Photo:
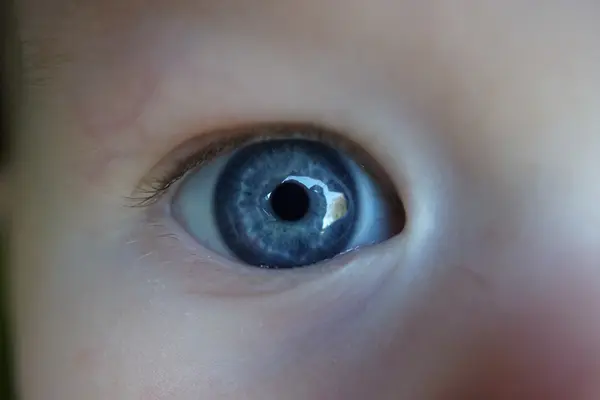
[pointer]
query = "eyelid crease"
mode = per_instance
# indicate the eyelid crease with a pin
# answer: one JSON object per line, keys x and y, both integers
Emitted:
{"x": 205, "y": 148}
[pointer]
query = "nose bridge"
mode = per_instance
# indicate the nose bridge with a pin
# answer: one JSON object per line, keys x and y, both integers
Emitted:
{"x": 522, "y": 219}
{"x": 520, "y": 273}
{"x": 532, "y": 183}
{"x": 537, "y": 214}
{"x": 552, "y": 196}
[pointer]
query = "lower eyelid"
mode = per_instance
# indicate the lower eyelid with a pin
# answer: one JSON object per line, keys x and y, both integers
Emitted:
{"x": 196, "y": 271}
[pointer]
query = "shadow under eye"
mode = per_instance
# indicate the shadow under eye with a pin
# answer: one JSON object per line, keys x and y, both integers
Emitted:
{"x": 287, "y": 202}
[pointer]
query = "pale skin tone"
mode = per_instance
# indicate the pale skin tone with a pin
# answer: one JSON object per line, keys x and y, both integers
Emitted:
{"x": 485, "y": 114}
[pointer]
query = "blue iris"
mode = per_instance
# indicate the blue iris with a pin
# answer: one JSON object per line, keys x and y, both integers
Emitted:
{"x": 286, "y": 203}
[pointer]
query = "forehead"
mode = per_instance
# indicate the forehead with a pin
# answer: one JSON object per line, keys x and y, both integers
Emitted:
{"x": 375, "y": 20}
{"x": 434, "y": 48}
{"x": 67, "y": 30}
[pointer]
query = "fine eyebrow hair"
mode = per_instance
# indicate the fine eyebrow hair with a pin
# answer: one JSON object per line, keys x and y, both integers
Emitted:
{"x": 9, "y": 78}
{"x": 33, "y": 40}
{"x": 36, "y": 62}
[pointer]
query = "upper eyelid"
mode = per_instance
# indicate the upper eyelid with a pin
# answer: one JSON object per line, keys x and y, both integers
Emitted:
{"x": 166, "y": 173}
{"x": 211, "y": 144}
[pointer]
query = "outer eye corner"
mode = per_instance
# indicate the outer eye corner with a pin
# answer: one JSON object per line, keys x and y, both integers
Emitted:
{"x": 286, "y": 202}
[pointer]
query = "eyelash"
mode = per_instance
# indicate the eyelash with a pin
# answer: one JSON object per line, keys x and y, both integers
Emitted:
{"x": 153, "y": 188}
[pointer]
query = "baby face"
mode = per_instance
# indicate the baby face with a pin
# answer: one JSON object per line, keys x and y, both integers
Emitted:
{"x": 462, "y": 137}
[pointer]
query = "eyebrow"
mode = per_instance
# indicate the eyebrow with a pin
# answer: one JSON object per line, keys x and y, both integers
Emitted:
{"x": 9, "y": 78}
{"x": 37, "y": 64}
{"x": 32, "y": 45}
{"x": 49, "y": 55}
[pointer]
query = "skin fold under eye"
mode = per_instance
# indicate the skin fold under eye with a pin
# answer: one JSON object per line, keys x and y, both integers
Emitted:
{"x": 284, "y": 198}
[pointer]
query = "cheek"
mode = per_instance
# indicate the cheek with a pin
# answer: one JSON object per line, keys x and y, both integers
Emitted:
{"x": 148, "y": 329}
{"x": 545, "y": 336}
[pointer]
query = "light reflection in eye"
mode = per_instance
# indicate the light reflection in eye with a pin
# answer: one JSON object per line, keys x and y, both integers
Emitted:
{"x": 337, "y": 203}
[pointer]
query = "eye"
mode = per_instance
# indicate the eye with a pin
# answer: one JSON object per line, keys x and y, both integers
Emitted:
{"x": 288, "y": 201}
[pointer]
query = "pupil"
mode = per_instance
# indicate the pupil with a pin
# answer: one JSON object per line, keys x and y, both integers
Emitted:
{"x": 290, "y": 201}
